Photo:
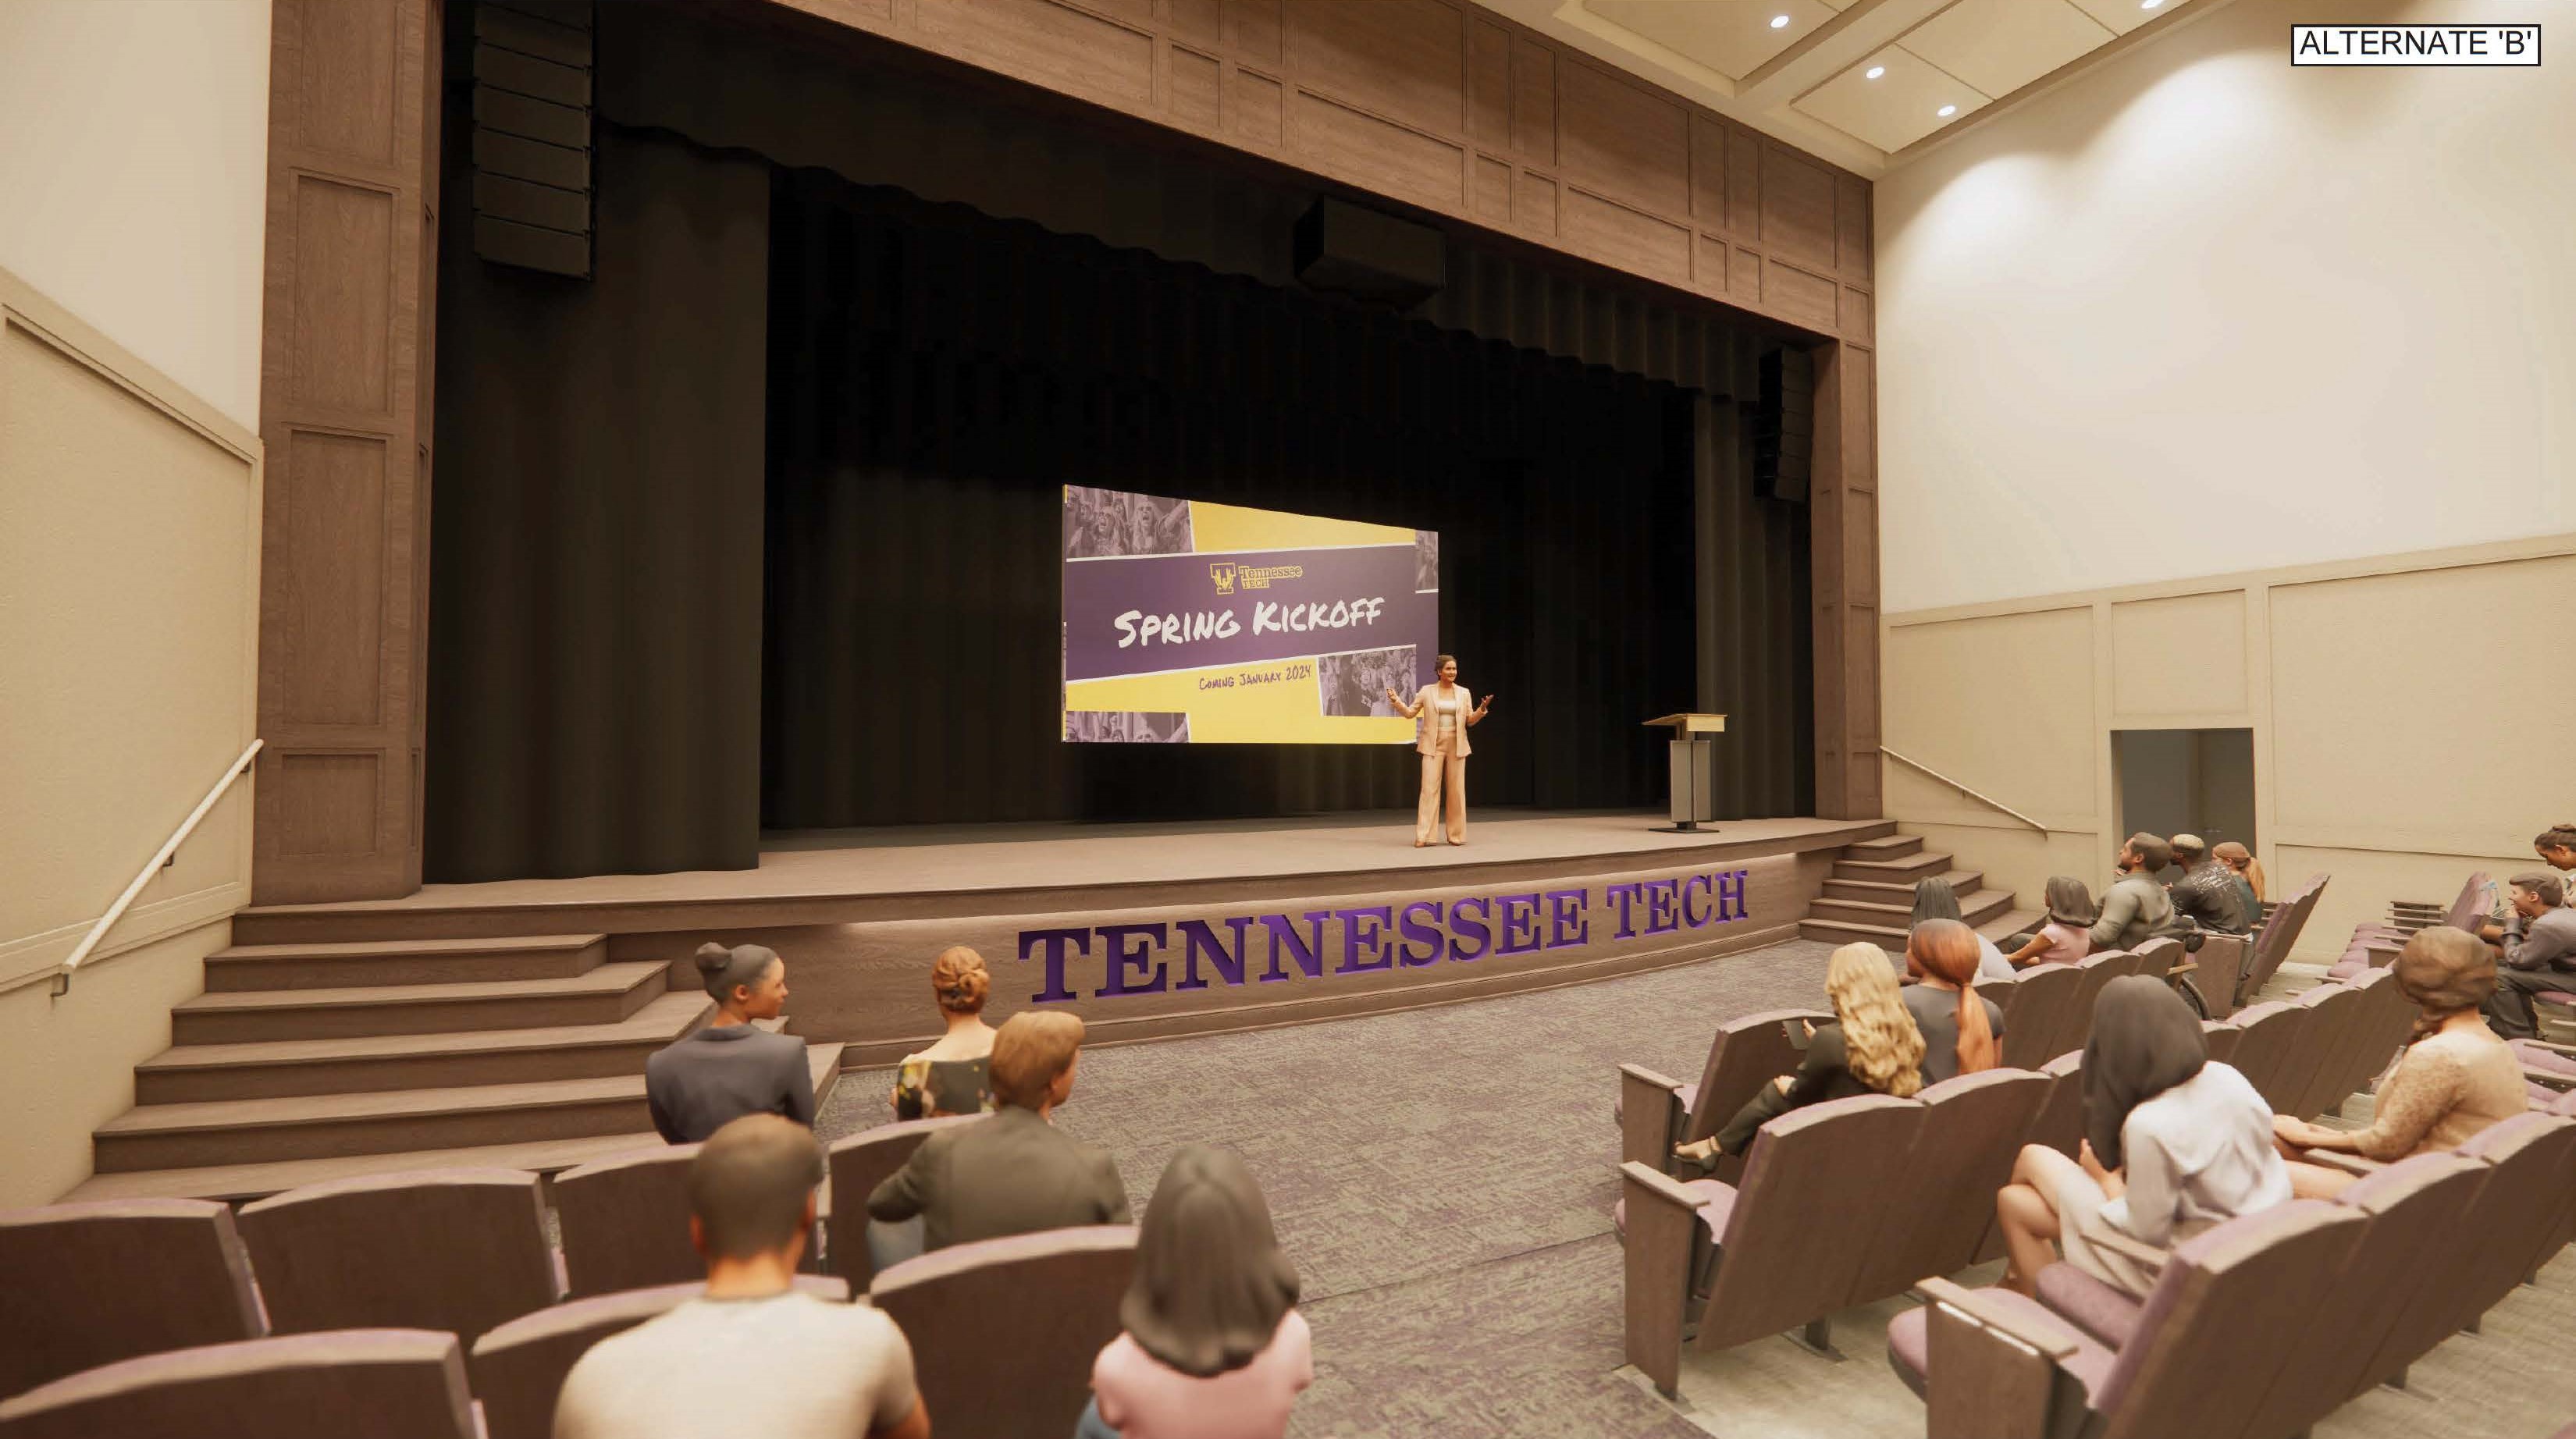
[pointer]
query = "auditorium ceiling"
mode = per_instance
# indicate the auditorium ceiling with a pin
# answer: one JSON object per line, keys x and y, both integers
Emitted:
{"x": 1865, "y": 83}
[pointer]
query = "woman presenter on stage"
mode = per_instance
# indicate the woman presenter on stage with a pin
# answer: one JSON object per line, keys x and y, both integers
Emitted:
{"x": 1440, "y": 715}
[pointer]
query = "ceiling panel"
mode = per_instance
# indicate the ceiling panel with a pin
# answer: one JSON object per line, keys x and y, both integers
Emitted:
{"x": 2001, "y": 45}
{"x": 2123, "y": 16}
{"x": 1898, "y": 108}
{"x": 1732, "y": 37}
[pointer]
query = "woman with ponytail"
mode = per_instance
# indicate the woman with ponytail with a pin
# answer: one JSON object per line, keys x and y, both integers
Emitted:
{"x": 1872, "y": 1047}
{"x": 731, "y": 1066}
{"x": 2454, "y": 1078}
{"x": 1962, "y": 1030}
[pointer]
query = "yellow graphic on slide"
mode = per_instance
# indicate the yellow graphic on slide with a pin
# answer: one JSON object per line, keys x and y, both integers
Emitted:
{"x": 1223, "y": 529}
{"x": 1273, "y": 702}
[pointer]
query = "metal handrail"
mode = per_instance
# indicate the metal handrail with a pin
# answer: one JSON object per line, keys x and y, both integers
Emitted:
{"x": 160, "y": 857}
{"x": 1963, "y": 789}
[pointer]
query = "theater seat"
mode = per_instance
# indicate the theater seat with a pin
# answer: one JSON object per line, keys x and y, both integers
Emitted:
{"x": 380, "y": 1383}
{"x": 2109, "y": 1315}
{"x": 460, "y": 1250}
{"x": 89, "y": 1284}
{"x": 1004, "y": 1331}
{"x": 858, "y": 1164}
{"x": 2087, "y": 1359}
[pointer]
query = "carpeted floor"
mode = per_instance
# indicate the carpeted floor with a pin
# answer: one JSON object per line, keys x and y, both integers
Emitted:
{"x": 1444, "y": 1178}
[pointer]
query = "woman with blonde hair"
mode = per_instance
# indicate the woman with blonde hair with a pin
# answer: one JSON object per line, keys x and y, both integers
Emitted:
{"x": 1872, "y": 1047}
{"x": 2454, "y": 1078}
{"x": 1962, "y": 1030}
{"x": 952, "y": 1076}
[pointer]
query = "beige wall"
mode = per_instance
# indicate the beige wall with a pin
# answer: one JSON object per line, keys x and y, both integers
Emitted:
{"x": 133, "y": 176}
{"x": 2199, "y": 312}
{"x": 2400, "y": 738}
{"x": 129, "y": 564}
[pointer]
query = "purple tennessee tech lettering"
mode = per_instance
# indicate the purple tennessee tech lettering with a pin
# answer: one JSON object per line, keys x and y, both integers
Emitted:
{"x": 1730, "y": 894}
{"x": 1416, "y": 932}
{"x": 1308, "y": 952}
{"x": 1518, "y": 909}
{"x": 1626, "y": 894}
{"x": 1699, "y": 919}
{"x": 1663, "y": 899}
{"x": 1371, "y": 940}
{"x": 1123, "y": 956}
{"x": 1568, "y": 917}
{"x": 1202, "y": 940}
{"x": 1460, "y": 925}
{"x": 1054, "y": 940}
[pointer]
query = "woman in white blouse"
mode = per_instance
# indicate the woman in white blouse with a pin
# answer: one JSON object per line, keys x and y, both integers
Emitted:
{"x": 1441, "y": 713}
{"x": 2174, "y": 1143}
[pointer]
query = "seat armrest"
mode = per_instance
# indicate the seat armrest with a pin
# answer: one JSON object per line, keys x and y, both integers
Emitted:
{"x": 1661, "y": 1218}
{"x": 1988, "y": 1373}
{"x": 1649, "y": 1117}
{"x": 2344, "y": 1160}
{"x": 2181, "y": 967}
{"x": 2553, "y": 1047}
{"x": 2554, "y": 1079}
{"x": 2137, "y": 1250}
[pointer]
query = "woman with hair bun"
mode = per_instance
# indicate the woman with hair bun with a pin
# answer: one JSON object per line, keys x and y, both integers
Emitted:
{"x": 954, "y": 1075}
{"x": 2454, "y": 1078}
{"x": 1214, "y": 1347}
{"x": 712, "y": 1076}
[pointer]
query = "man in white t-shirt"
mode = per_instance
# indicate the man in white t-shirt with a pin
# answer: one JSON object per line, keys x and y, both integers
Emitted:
{"x": 752, "y": 1356}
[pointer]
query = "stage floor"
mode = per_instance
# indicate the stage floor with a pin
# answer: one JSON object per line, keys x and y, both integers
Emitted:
{"x": 954, "y": 861}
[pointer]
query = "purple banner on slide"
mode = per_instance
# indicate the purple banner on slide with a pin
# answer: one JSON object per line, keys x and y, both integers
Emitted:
{"x": 1150, "y": 613}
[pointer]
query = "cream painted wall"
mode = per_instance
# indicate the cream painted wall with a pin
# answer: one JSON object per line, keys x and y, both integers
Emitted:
{"x": 129, "y": 596}
{"x": 134, "y": 177}
{"x": 2200, "y": 312}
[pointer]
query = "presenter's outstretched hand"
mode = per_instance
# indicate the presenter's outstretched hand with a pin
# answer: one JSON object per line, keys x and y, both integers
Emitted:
{"x": 1483, "y": 705}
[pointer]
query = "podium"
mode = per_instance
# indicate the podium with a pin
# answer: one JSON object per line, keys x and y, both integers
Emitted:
{"x": 1692, "y": 765}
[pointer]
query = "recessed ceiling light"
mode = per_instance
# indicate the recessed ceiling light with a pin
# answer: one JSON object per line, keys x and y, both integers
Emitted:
{"x": 1876, "y": 70}
{"x": 2149, "y": 4}
{"x": 1947, "y": 111}
{"x": 1779, "y": 22}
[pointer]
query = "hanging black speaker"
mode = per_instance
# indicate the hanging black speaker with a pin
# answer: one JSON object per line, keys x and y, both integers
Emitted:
{"x": 1784, "y": 426}
{"x": 532, "y": 122}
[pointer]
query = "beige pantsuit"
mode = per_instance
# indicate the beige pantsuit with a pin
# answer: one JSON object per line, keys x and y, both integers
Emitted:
{"x": 1444, "y": 763}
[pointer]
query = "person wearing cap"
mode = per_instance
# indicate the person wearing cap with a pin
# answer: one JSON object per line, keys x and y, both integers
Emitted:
{"x": 2539, "y": 953}
{"x": 2207, "y": 894}
{"x": 2453, "y": 1079}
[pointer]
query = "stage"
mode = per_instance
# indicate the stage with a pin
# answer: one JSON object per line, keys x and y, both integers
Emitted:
{"x": 1153, "y": 930}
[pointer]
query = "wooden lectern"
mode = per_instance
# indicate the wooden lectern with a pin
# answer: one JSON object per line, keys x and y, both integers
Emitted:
{"x": 1692, "y": 762}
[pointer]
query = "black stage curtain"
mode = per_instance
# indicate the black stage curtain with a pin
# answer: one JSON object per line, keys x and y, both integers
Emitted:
{"x": 595, "y": 610}
{"x": 937, "y": 374}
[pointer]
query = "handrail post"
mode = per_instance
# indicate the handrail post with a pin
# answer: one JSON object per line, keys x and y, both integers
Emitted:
{"x": 151, "y": 867}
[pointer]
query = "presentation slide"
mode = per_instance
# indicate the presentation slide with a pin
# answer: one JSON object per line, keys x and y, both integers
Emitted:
{"x": 1192, "y": 623}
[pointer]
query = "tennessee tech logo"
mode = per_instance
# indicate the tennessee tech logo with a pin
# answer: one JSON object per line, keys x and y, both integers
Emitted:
{"x": 1224, "y": 577}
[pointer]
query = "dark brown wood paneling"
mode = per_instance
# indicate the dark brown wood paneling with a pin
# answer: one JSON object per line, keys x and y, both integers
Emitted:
{"x": 1493, "y": 190}
{"x": 1534, "y": 203}
{"x": 348, "y": 307}
{"x": 1196, "y": 82}
{"x": 1708, "y": 172}
{"x": 1631, "y": 239}
{"x": 1387, "y": 157}
{"x": 1800, "y": 296}
{"x": 1404, "y": 59}
{"x": 1533, "y": 101}
{"x": 1058, "y": 46}
{"x": 1259, "y": 110}
{"x": 1199, "y": 22}
{"x": 1256, "y": 32}
{"x": 1489, "y": 85}
{"x": 1797, "y": 209}
{"x": 1844, "y": 584}
{"x": 1621, "y": 140}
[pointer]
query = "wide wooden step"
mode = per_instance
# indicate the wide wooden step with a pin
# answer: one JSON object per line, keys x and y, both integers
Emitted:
{"x": 605, "y": 995}
{"x": 1891, "y": 937}
{"x": 275, "y": 1069}
{"x": 1975, "y": 908}
{"x": 1886, "y": 847}
{"x": 1905, "y": 870}
{"x": 258, "y": 1131}
{"x": 1871, "y": 891}
{"x": 249, "y": 967}
{"x": 237, "y": 1183}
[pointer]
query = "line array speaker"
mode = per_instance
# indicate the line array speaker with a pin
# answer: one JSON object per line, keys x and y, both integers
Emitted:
{"x": 1784, "y": 426}
{"x": 532, "y": 134}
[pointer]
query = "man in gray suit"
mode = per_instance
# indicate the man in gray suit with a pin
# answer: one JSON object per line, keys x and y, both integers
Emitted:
{"x": 1014, "y": 1173}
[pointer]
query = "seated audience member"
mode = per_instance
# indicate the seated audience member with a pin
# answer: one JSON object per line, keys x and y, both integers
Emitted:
{"x": 954, "y": 1075}
{"x": 1871, "y": 1047}
{"x": 2135, "y": 908}
{"x": 1960, "y": 1027}
{"x": 1014, "y": 1173}
{"x": 2454, "y": 1078}
{"x": 2249, "y": 869}
{"x": 1935, "y": 899}
{"x": 2174, "y": 1142}
{"x": 2539, "y": 945}
{"x": 752, "y": 1355}
{"x": 2207, "y": 893}
{"x": 2556, "y": 847}
{"x": 2248, "y": 873}
{"x": 2065, "y": 939}
{"x": 1214, "y": 1347}
{"x": 705, "y": 1080}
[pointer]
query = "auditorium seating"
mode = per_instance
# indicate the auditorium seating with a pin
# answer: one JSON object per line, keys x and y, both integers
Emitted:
{"x": 89, "y": 1284}
{"x": 380, "y": 1383}
{"x": 2039, "y": 1006}
{"x": 859, "y": 1163}
{"x": 2430, "y": 1244}
{"x": 462, "y": 1251}
{"x": 624, "y": 1222}
{"x": 2375, "y": 944}
{"x": 518, "y": 1369}
{"x": 2274, "y": 941}
{"x": 2216, "y": 971}
{"x": 1747, "y": 1052}
{"x": 1905, "y": 1184}
{"x": 1004, "y": 1331}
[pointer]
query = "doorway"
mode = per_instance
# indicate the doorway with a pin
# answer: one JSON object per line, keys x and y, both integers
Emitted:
{"x": 2185, "y": 781}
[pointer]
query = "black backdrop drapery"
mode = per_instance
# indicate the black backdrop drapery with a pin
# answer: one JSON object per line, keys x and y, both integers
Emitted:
{"x": 937, "y": 374}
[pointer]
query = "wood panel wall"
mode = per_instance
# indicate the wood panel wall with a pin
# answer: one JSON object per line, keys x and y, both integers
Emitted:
{"x": 345, "y": 367}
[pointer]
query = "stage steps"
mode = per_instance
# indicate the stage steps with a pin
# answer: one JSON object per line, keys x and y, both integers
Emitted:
{"x": 328, "y": 1059}
{"x": 1870, "y": 895}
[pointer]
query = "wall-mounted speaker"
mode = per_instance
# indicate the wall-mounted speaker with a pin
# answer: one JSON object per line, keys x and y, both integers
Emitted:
{"x": 1370, "y": 256}
{"x": 1784, "y": 426}
{"x": 532, "y": 134}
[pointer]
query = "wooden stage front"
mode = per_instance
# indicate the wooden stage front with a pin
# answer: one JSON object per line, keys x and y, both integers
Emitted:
{"x": 1150, "y": 931}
